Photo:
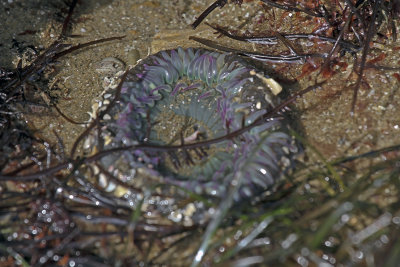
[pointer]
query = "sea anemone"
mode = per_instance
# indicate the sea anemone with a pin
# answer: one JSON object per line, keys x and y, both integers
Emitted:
{"x": 185, "y": 96}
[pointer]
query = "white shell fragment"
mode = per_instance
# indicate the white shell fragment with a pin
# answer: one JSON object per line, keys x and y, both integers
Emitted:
{"x": 275, "y": 87}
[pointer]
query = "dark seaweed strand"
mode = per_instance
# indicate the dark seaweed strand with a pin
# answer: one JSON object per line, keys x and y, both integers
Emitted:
{"x": 24, "y": 167}
{"x": 394, "y": 10}
{"x": 334, "y": 47}
{"x": 286, "y": 42}
{"x": 61, "y": 146}
{"x": 357, "y": 13}
{"x": 66, "y": 117}
{"x": 294, "y": 9}
{"x": 67, "y": 20}
{"x": 80, "y": 46}
{"x": 370, "y": 154}
{"x": 218, "y": 3}
{"x": 370, "y": 34}
{"x": 379, "y": 67}
{"x": 299, "y": 58}
{"x": 222, "y": 3}
{"x": 273, "y": 39}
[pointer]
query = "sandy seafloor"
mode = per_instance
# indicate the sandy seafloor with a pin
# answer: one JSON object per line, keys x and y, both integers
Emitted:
{"x": 150, "y": 26}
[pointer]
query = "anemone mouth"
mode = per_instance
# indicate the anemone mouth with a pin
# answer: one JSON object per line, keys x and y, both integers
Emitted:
{"x": 189, "y": 95}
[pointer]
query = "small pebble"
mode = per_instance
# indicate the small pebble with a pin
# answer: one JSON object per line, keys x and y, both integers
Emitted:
{"x": 133, "y": 57}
